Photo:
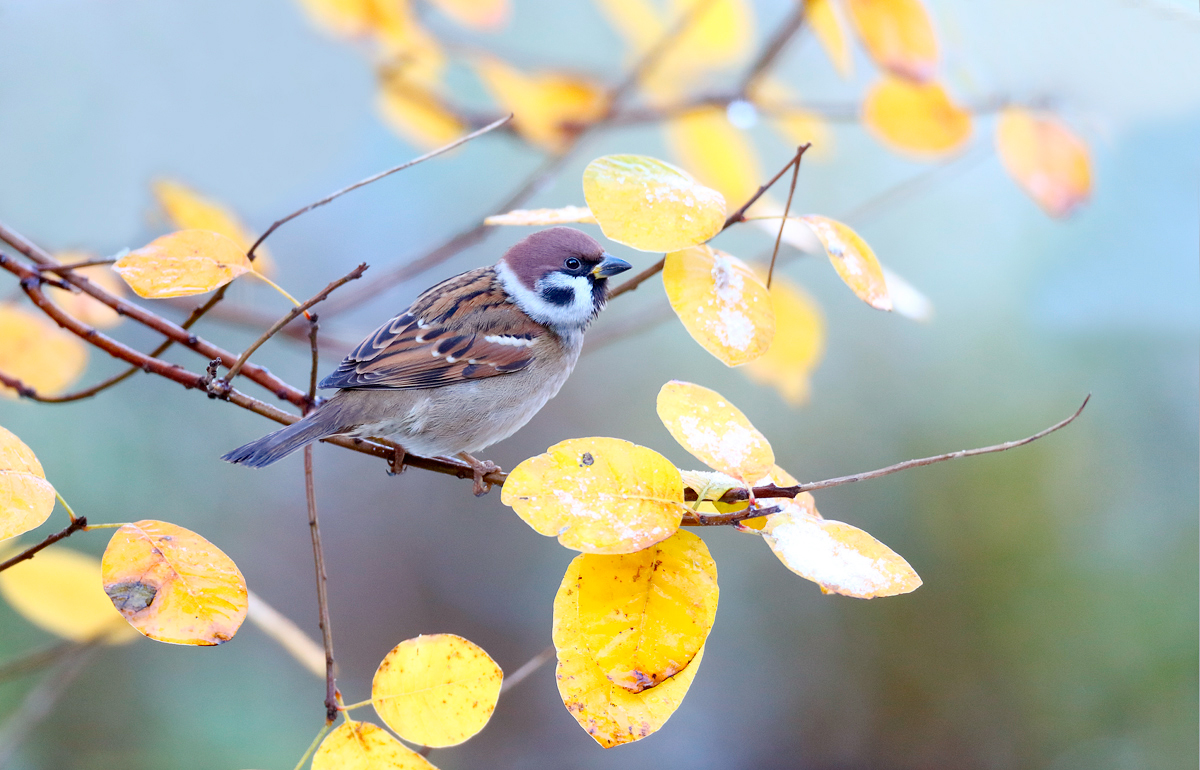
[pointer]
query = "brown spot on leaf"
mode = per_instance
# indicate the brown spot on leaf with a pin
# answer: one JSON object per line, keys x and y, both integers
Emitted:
{"x": 131, "y": 597}
{"x": 586, "y": 459}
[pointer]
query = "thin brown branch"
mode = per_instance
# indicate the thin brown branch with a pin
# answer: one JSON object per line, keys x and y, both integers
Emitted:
{"x": 313, "y": 328}
{"x": 37, "y": 659}
{"x": 294, "y": 313}
{"x": 331, "y": 693}
{"x": 76, "y": 265}
{"x": 77, "y": 524}
{"x": 40, "y": 701}
{"x": 787, "y": 208}
{"x": 533, "y": 664}
{"x": 653, "y": 55}
{"x": 376, "y": 177}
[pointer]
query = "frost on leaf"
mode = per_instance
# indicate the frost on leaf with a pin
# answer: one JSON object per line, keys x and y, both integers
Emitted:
{"x": 853, "y": 260}
{"x": 721, "y": 302}
{"x": 598, "y": 495}
{"x": 714, "y": 430}
{"x": 183, "y": 263}
{"x": 26, "y": 498}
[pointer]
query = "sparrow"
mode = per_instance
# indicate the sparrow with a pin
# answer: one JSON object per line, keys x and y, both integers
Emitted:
{"x": 468, "y": 363}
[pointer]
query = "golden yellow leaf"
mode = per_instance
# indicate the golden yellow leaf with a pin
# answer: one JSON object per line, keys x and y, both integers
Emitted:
{"x": 182, "y": 263}
{"x": 714, "y": 431}
{"x": 898, "y": 35}
{"x": 559, "y": 216}
{"x": 59, "y": 590}
{"x": 38, "y": 352}
{"x": 650, "y": 205}
{"x": 840, "y": 558}
{"x": 645, "y": 615}
{"x": 542, "y": 103}
{"x": 391, "y": 24}
{"x": 609, "y": 713}
{"x": 720, "y": 155}
{"x": 638, "y": 21}
{"x": 85, "y": 307}
{"x": 797, "y": 347}
{"x": 917, "y": 119}
{"x": 173, "y": 585}
{"x": 477, "y": 14}
{"x": 598, "y": 495}
{"x": 344, "y": 18}
{"x": 1047, "y": 160}
{"x": 825, "y": 18}
{"x": 853, "y": 260}
{"x": 720, "y": 36}
{"x": 721, "y": 303}
{"x": 795, "y": 124}
{"x": 415, "y": 115}
{"x": 364, "y": 746}
{"x": 189, "y": 210}
{"x": 436, "y": 690}
{"x": 26, "y": 498}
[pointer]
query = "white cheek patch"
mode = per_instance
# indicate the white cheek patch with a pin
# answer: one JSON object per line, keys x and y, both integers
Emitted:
{"x": 574, "y": 315}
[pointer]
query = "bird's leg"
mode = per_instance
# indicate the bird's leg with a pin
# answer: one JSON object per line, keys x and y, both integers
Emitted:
{"x": 396, "y": 461}
{"x": 479, "y": 469}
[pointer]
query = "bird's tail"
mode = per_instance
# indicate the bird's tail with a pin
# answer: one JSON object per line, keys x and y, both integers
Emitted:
{"x": 277, "y": 445}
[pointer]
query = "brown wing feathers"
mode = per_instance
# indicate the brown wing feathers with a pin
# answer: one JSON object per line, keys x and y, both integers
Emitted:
{"x": 419, "y": 349}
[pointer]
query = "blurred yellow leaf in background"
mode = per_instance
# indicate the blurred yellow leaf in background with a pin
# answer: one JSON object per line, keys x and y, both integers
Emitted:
{"x": 798, "y": 344}
{"x": 916, "y": 119}
{"x": 1047, "y": 160}
{"x": 59, "y": 590}
{"x": 189, "y": 210}
{"x": 650, "y": 205}
{"x": 598, "y": 495}
{"x": 853, "y": 260}
{"x": 721, "y": 302}
{"x": 364, "y": 746}
{"x": 26, "y": 498}
{"x": 714, "y": 431}
{"x": 795, "y": 124}
{"x": 542, "y": 103}
{"x": 825, "y": 18}
{"x": 487, "y": 15}
{"x": 898, "y": 36}
{"x": 645, "y": 615}
{"x": 720, "y": 35}
{"x": 183, "y": 263}
{"x": 173, "y": 585}
{"x": 415, "y": 115}
{"x": 717, "y": 153}
{"x": 38, "y": 352}
{"x": 609, "y": 713}
{"x": 559, "y": 216}
{"x": 436, "y": 690}
{"x": 85, "y": 307}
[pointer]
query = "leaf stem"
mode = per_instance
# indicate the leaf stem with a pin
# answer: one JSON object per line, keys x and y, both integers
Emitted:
{"x": 312, "y": 747}
{"x": 70, "y": 511}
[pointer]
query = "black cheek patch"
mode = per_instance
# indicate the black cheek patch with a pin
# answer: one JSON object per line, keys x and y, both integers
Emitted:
{"x": 558, "y": 295}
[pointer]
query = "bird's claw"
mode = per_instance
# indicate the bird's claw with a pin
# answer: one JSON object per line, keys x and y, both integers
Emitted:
{"x": 479, "y": 469}
{"x": 396, "y": 464}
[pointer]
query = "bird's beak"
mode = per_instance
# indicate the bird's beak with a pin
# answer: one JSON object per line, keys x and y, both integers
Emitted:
{"x": 610, "y": 265}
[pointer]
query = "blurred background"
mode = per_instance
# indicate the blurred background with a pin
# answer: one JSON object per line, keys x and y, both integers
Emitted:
{"x": 1057, "y": 624}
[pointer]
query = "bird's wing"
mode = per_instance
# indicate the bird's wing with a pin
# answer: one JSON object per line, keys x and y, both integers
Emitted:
{"x": 465, "y": 328}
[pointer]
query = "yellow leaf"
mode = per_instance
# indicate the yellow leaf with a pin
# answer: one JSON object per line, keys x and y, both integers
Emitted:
{"x": 560, "y": 216}
{"x": 714, "y": 431}
{"x": 182, "y": 263}
{"x": 415, "y": 115}
{"x": 1047, "y": 160}
{"x": 26, "y": 498}
{"x": 638, "y": 21}
{"x": 650, "y": 205}
{"x": 825, "y": 18}
{"x": 719, "y": 154}
{"x": 898, "y": 35}
{"x": 85, "y": 307}
{"x": 363, "y": 746}
{"x": 173, "y": 585}
{"x": 645, "y": 615}
{"x": 344, "y": 18}
{"x": 840, "y": 558}
{"x": 38, "y": 352}
{"x": 436, "y": 690}
{"x": 59, "y": 591}
{"x": 853, "y": 260}
{"x": 541, "y": 104}
{"x": 390, "y": 23}
{"x": 797, "y": 347}
{"x": 719, "y": 36}
{"x": 609, "y": 713}
{"x": 795, "y": 124}
{"x": 915, "y": 118}
{"x": 721, "y": 303}
{"x": 477, "y": 14}
{"x": 781, "y": 478}
{"x": 189, "y": 210}
{"x": 598, "y": 495}
{"x": 709, "y": 486}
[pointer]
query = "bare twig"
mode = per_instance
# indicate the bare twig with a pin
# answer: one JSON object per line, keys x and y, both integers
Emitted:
{"x": 38, "y": 704}
{"x": 787, "y": 208}
{"x": 533, "y": 664}
{"x": 331, "y": 693}
{"x": 77, "y": 524}
{"x": 655, "y": 53}
{"x": 37, "y": 659}
{"x": 76, "y": 265}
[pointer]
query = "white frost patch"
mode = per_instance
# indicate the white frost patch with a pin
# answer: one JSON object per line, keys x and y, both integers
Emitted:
{"x": 734, "y": 328}
{"x": 725, "y": 446}
{"x": 731, "y": 326}
{"x": 806, "y": 548}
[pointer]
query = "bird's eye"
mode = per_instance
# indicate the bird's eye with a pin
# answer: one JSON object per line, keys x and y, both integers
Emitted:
{"x": 572, "y": 263}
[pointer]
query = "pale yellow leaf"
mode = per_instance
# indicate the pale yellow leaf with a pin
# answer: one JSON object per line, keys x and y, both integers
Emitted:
{"x": 719, "y": 35}
{"x": 916, "y": 119}
{"x": 559, "y": 216}
{"x": 898, "y": 35}
{"x": 717, "y": 153}
{"x": 650, "y": 205}
{"x": 798, "y": 344}
{"x": 38, "y": 352}
{"x": 825, "y": 19}
{"x": 364, "y": 746}
{"x": 853, "y": 260}
{"x": 721, "y": 302}
{"x": 608, "y": 712}
{"x": 59, "y": 590}
{"x": 543, "y": 104}
{"x": 1046, "y": 159}
{"x": 189, "y": 210}
{"x": 85, "y": 307}
{"x": 598, "y": 495}
{"x": 789, "y": 119}
{"x": 173, "y": 585}
{"x": 26, "y": 498}
{"x": 436, "y": 690}
{"x": 714, "y": 430}
{"x": 645, "y": 615}
{"x": 487, "y": 15}
{"x": 183, "y": 263}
